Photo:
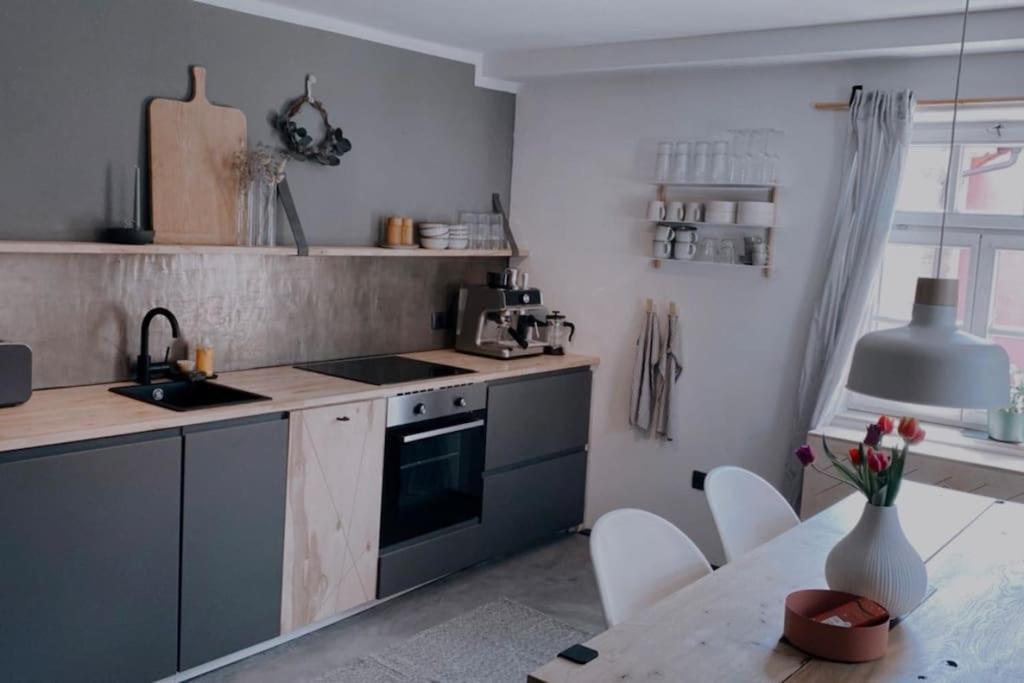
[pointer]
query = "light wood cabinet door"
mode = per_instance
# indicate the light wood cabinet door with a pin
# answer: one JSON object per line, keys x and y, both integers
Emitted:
{"x": 332, "y": 519}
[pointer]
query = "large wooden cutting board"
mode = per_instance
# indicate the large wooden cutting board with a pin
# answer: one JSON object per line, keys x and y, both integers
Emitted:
{"x": 193, "y": 179}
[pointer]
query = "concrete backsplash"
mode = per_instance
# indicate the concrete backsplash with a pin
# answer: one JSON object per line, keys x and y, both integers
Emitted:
{"x": 81, "y": 314}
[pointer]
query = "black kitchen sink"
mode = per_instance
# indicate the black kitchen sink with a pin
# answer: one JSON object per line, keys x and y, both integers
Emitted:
{"x": 184, "y": 395}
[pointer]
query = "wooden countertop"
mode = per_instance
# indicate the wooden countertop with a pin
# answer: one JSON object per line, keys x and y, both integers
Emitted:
{"x": 55, "y": 416}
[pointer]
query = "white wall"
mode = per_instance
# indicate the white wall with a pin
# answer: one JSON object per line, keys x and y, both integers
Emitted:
{"x": 584, "y": 151}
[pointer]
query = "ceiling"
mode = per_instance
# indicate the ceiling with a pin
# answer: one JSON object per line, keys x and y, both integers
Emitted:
{"x": 494, "y": 25}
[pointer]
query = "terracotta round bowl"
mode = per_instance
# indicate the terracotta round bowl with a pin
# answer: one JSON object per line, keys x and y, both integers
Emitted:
{"x": 837, "y": 643}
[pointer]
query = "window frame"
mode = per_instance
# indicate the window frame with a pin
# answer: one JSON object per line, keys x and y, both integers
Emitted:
{"x": 985, "y": 234}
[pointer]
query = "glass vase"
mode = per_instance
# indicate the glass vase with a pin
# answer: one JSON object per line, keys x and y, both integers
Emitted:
{"x": 257, "y": 212}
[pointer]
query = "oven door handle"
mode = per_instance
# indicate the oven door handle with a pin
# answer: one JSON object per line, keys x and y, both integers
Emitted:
{"x": 419, "y": 436}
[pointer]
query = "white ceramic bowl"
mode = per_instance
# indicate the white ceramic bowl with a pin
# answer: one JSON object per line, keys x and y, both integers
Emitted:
{"x": 433, "y": 229}
{"x": 755, "y": 213}
{"x": 434, "y": 242}
{"x": 457, "y": 243}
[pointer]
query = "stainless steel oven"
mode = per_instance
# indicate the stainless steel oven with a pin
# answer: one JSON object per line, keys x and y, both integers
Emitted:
{"x": 433, "y": 463}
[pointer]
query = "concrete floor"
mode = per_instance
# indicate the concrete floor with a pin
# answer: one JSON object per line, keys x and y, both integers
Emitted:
{"x": 556, "y": 579}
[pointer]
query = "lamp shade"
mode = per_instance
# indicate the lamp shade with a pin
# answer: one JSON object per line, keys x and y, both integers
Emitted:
{"x": 930, "y": 361}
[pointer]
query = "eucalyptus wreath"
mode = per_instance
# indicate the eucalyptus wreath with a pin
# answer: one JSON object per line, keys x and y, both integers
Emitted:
{"x": 300, "y": 143}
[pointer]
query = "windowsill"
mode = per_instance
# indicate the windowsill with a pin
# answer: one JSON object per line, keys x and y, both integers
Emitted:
{"x": 943, "y": 441}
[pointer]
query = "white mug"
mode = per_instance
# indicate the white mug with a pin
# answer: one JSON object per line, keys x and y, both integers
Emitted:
{"x": 693, "y": 212}
{"x": 674, "y": 211}
{"x": 656, "y": 211}
{"x": 684, "y": 250}
{"x": 662, "y": 249}
{"x": 686, "y": 236}
{"x": 664, "y": 233}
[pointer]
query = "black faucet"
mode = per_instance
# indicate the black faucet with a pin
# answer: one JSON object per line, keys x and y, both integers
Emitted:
{"x": 145, "y": 367}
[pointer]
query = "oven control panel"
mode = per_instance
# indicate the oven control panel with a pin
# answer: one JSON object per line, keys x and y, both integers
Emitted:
{"x": 432, "y": 404}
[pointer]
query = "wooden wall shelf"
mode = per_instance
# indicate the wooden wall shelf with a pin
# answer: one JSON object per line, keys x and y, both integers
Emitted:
{"x": 33, "y": 247}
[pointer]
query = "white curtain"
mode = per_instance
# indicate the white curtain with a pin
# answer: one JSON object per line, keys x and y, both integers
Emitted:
{"x": 879, "y": 136}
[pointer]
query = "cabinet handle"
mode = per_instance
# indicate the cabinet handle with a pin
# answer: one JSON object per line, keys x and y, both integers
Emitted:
{"x": 343, "y": 418}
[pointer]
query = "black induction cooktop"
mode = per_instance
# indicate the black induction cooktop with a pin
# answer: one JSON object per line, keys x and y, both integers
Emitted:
{"x": 383, "y": 369}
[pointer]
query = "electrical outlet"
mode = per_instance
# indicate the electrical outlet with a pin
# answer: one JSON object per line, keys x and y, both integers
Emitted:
{"x": 698, "y": 479}
{"x": 439, "y": 320}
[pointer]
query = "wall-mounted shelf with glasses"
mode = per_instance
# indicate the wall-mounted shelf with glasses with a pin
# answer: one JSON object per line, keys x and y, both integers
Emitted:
{"x": 722, "y": 224}
{"x": 724, "y": 185}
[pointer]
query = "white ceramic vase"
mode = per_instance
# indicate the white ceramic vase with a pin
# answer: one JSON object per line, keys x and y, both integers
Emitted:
{"x": 877, "y": 561}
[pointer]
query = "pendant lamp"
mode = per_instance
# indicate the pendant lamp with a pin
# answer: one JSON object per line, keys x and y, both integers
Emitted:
{"x": 930, "y": 361}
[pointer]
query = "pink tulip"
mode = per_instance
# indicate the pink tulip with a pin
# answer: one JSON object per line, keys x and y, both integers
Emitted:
{"x": 878, "y": 461}
{"x": 908, "y": 427}
{"x": 885, "y": 424}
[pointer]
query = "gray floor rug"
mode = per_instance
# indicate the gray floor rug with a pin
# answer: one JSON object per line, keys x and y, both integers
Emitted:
{"x": 498, "y": 642}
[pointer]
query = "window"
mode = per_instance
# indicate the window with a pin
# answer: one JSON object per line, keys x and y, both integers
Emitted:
{"x": 983, "y": 246}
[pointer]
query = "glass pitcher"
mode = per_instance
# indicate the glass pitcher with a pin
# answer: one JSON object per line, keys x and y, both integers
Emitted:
{"x": 558, "y": 332}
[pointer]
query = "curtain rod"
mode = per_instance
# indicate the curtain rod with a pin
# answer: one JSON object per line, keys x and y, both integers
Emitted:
{"x": 963, "y": 102}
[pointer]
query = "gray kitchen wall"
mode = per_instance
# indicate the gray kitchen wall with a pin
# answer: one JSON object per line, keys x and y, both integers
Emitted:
{"x": 75, "y": 77}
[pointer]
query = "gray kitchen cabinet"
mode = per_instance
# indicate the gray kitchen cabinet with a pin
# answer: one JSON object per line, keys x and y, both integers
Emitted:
{"x": 232, "y": 536}
{"x": 89, "y": 560}
{"x": 536, "y": 417}
{"x": 536, "y": 458}
{"x": 524, "y": 505}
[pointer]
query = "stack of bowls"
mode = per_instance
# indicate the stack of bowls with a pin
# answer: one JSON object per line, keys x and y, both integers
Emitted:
{"x": 458, "y": 237}
{"x": 719, "y": 212}
{"x": 434, "y": 235}
{"x": 756, "y": 213}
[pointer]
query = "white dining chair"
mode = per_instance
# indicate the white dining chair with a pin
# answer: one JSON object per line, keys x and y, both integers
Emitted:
{"x": 639, "y": 558}
{"x": 747, "y": 510}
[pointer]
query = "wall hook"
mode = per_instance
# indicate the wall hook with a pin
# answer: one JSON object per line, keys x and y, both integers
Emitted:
{"x": 310, "y": 81}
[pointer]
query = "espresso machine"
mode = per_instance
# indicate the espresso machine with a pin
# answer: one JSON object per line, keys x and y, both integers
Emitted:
{"x": 504, "y": 319}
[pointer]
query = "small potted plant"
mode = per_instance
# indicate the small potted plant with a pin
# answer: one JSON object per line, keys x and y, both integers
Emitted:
{"x": 1007, "y": 424}
{"x": 875, "y": 559}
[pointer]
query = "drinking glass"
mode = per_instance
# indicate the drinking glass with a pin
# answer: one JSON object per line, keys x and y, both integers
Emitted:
{"x": 708, "y": 249}
{"x": 700, "y": 162}
{"x": 740, "y": 141}
{"x": 468, "y": 218}
{"x": 681, "y": 163}
{"x": 720, "y": 162}
{"x": 749, "y": 172}
{"x": 727, "y": 252}
{"x": 759, "y": 154}
{"x": 664, "y": 164}
{"x": 497, "y": 232}
{"x": 774, "y": 140}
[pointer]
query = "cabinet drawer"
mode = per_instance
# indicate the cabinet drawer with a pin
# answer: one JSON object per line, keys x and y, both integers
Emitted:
{"x": 533, "y": 418}
{"x": 412, "y": 565}
{"x": 527, "y": 504}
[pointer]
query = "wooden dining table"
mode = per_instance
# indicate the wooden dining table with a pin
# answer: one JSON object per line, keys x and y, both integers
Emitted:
{"x": 728, "y": 625}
